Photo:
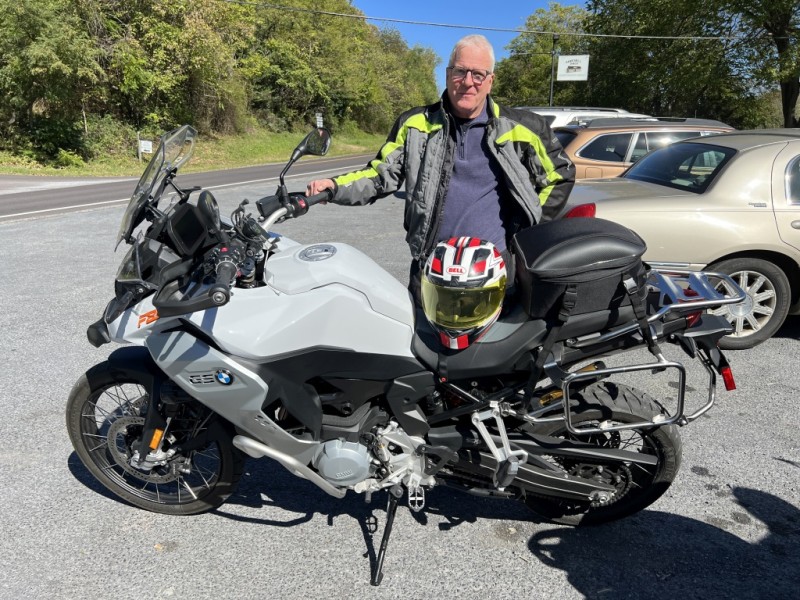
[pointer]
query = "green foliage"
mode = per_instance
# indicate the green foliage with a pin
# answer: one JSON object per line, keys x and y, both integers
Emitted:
{"x": 107, "y": 136}
{"x": 722, "y": 78}
{"x": 65, "y": 158}
{"x": 524, "y": 77}
{"x": 80, "y": 75}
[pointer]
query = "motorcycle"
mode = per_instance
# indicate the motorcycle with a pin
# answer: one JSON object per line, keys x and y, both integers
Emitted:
{"x": 242, "y": 342}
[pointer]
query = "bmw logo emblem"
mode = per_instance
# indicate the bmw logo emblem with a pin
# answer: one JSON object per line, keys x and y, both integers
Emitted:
{"x": 224, "y": 376}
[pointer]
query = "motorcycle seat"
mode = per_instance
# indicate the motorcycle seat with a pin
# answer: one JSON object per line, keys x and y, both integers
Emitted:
{"x": 507, "y": 345}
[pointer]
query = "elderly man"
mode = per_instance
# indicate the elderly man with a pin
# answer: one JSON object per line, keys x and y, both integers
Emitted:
{"x": 470, "y": 166}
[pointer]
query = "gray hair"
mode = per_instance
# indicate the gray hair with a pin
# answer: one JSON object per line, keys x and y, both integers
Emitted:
{"x": 477, "y": 41}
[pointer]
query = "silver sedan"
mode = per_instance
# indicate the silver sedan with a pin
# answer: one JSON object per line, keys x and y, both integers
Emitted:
{"x": 728, "y": 203}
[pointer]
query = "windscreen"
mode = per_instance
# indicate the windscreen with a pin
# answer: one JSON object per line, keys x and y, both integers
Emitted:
{"x": 683, "y": 165}
{"x": 173, "y": 150}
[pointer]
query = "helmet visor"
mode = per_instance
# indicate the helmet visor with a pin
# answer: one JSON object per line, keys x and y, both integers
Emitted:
{"x": 459, "y": 308}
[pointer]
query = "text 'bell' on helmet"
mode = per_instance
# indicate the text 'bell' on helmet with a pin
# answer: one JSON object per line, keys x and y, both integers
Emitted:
{"x": 463, "y": 286}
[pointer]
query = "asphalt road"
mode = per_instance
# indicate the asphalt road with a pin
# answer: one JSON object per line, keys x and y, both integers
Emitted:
{"x": 28, "y": 196}
{"x": 728, "y": 527}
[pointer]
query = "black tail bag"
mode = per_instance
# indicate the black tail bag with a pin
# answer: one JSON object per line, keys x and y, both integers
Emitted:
{"x": 579, "y": 266}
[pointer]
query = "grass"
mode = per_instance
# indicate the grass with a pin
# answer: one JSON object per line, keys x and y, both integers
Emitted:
{"x": 210, "y": 153}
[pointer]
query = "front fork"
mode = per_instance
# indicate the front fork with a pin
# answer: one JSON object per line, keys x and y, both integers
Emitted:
{"x": 156, "y": 425}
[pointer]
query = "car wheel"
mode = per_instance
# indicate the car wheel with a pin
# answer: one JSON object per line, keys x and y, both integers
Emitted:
{"x": 765, "y": 308}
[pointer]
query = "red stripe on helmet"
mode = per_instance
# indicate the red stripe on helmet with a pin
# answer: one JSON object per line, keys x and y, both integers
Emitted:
{"x": 478, "y": 268}
{"x": 436, "y": 266}
{"x": 460, "y": 249}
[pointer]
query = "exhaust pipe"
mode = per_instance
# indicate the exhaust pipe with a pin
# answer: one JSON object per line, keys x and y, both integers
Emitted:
{"x": 256, "y": 449}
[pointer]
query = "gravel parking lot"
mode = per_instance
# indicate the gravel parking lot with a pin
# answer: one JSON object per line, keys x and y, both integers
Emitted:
{"x": 728, "y": 527}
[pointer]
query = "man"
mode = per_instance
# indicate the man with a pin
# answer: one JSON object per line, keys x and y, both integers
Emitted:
{"x": 470, "y": 166}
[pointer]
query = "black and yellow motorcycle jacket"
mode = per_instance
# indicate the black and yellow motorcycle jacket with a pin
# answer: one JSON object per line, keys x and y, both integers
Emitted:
{"x": 419, "y": 153}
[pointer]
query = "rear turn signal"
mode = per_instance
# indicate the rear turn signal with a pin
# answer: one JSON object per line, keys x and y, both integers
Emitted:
{"x": 727, "y": 377}
{"x": 582, "y": 210}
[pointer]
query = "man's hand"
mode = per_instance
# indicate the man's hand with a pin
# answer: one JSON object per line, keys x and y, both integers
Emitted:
{"x": 319, "y": 185}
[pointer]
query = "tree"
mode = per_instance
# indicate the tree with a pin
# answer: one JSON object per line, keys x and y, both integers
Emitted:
{"x": 780, "y": 21}
{"x": 48, "y": 65}
{"x": 524, "y": 77}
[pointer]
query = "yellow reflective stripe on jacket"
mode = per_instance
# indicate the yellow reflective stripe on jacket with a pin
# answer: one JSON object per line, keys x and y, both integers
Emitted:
{"x": 415, "y": 122}
{"x": 522, "y": 134}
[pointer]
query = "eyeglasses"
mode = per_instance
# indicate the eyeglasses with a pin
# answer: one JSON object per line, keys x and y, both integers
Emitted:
{"x": 460, "y": 73}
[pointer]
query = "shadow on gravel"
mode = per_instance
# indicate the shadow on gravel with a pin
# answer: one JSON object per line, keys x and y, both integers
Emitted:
{"x": 82, "y": 474}
{"x": 790, "y": 328}
{"x": 266, "y": 483}
{"x": 655, "y": 554}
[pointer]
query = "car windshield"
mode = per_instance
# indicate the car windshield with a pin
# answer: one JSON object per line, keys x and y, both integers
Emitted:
{"x": 174, "y": 149}
{"x": 684, "y": 166}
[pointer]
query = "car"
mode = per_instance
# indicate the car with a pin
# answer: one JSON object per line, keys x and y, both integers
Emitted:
{"x": 606, "y": 147}
{"x": 728, "y": 203}
{"x": 564, "y": 115}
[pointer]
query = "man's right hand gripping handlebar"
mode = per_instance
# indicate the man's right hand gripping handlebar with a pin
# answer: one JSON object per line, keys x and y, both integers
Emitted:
{"x": 320, "y": 185}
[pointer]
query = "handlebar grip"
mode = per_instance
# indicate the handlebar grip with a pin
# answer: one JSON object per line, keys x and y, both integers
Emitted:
{"x": 220, "y": 292}
{"x": 323, "y": 196}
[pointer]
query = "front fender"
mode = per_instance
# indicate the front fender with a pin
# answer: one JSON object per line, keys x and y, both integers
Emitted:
{"x": 132, "y": 363}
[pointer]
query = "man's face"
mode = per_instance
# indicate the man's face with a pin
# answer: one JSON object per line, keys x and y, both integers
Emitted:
{"x": 466, "y": 96}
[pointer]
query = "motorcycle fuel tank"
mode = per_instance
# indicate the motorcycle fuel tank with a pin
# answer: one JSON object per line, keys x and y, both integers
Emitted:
{"x": 318, "y": 295}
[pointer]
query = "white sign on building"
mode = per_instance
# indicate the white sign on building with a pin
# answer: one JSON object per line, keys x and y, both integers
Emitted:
{"x": 573, "y": 67}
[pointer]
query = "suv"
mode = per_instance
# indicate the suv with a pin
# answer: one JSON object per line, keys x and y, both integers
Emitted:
{"x": 606, "y": 147}
{"x": 569, "y": 115}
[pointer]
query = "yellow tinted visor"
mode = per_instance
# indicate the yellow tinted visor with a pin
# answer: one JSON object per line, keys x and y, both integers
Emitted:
{"x": 459, "y": 308}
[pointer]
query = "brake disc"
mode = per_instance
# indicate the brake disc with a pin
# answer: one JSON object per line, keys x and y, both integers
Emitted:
{"x": 122, "y": 434}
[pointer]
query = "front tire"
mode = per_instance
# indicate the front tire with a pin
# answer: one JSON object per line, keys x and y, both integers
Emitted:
{"x": 761, "y": 314}
{"x": 105, "y": 418}
{"x": 637, "y": 485}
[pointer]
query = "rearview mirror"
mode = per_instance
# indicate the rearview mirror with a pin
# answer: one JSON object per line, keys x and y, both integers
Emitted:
{"x": 317, "y": 142}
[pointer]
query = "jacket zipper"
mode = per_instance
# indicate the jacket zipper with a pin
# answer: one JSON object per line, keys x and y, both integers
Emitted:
{"x": 439, "y": 201}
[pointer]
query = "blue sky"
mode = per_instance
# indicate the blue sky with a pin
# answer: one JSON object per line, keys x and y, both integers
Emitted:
{"x": 501, "y": 14}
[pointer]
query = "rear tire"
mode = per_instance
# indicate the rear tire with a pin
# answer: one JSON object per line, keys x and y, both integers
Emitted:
{"x": 638, "y": 485}
{"x": 105, "y": 420}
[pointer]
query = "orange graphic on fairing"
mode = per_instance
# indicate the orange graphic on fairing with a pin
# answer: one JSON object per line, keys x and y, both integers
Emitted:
{"x": 148, "y": 317}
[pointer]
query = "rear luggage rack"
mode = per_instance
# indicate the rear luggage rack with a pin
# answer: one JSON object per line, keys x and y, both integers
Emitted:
{"x": 680, "y": 291}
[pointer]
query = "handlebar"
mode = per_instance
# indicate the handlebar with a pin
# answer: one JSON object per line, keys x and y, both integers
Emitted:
{"x": 273, "y": 210}
{"x": 228, "y": 257}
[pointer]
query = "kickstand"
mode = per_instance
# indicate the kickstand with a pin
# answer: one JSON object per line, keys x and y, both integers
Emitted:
{"x": 395, "y": 493}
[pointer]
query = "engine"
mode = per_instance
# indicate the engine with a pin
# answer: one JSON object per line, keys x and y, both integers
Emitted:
{"x": 343, "y": 463}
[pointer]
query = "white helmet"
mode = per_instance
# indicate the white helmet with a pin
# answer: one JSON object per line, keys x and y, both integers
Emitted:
{"x": 463, "y": 286}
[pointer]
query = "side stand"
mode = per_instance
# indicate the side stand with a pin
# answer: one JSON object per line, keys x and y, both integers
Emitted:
{"x": 395, "y": 493}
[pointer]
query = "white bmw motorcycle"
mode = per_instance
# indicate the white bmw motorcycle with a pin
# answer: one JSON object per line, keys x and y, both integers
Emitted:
{"x": 245, "y": 343}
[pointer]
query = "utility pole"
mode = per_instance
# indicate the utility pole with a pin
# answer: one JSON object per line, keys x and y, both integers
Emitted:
{"x": 553, "y": 54}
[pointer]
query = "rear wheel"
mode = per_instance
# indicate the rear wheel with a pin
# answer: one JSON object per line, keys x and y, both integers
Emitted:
{"x": 765, "y": 307}
{"x": 105, "y": 420}
{"x": 637, "y": 486}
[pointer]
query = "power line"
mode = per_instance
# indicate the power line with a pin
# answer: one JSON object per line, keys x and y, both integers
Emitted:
{"x": 481, "y": 27}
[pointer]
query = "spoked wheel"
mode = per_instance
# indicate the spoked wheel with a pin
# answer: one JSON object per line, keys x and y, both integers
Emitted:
{"x": 765, "y": 307}
{"x": 637, "y": 486}
{"x": 105, "y": 420}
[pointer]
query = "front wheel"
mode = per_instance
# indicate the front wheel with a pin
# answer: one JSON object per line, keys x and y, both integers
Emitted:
{"x": 105, "y": 419}
{"x": 637, "y": 485}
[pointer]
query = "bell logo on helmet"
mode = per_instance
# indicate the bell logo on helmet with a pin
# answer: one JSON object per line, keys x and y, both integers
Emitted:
{"x": 456, "y": 270}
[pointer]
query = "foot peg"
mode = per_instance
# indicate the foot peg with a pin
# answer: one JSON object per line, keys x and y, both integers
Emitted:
{"x": 416, "y": 498}
{"x": 506, "y": 472}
